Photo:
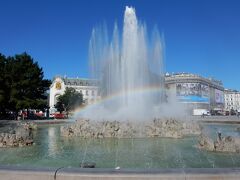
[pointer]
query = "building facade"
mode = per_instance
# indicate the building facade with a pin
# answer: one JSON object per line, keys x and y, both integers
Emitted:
{"x": 232, "y": 100}
{"x": 195, "y": 91}
{"x": 87, "y": 87}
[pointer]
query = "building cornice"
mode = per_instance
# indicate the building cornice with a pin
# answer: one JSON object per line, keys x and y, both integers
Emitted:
{"x": 192, "y": 79}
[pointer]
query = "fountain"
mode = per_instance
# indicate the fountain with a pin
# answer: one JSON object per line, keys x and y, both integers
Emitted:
{"x": 129, "y": 69}
{"x": 131, "y": 81}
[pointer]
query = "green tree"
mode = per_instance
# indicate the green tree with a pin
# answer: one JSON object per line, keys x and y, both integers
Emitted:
{"x": 23, "y": 83}
{"x": 3, "y": 90}
{"x": 70, "y": 100}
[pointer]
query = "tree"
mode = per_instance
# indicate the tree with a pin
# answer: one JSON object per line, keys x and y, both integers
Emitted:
{"x": 3, "y": 98}
{"x": 70, "y": 100}
{"x": 23, "y": 84}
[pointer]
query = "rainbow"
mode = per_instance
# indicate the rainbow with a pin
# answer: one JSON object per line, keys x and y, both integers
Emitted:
{"x": 115, "y": 96}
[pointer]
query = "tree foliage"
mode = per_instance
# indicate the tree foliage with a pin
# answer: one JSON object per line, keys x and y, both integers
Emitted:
{"x": 70, "y": 100}
{"x": 22, "y": 84}
{"x": 3, "y": 89}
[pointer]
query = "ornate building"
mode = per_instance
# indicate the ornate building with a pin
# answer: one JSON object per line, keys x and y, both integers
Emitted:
{"x": 196, "y": 91}
{"x": 87, "y": 87}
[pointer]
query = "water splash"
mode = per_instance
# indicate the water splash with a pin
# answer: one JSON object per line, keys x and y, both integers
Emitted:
{"x": 128, "y": 63}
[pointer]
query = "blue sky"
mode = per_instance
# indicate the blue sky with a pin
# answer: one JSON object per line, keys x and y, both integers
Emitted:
{"x": 201, "y": 36}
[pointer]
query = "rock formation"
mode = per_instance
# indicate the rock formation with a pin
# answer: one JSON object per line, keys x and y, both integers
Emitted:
{"x": 158, "y": 128}
{"x": 84, "y": 128}
{"x": 19, "y": 136}
{"x": 221, "y": 144}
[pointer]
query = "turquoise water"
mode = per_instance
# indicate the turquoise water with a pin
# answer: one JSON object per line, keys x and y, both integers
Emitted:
{"x": 52, "y": 150}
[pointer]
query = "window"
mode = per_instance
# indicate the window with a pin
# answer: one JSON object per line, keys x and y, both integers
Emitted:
{"x": 86, "y": 92}
{"x": 93, "y": 93}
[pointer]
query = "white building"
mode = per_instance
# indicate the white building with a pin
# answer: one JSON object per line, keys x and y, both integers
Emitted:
{"x": 88, "y": 88}
{"x": 232, "y": 100}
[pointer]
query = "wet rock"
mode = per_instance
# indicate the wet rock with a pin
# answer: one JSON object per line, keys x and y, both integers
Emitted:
{"x": 116, "y": 129}
{"x": 21, "y": 136}
{"x": 1, "y": 138}
{"x": 84, "y": 128}
{"x": 225, "y": 144}
{"x": 22, "y": 133}
{"x": 29, "y": 142}
{"x": 206, "y": 143}
{"x": 171, "y": 128}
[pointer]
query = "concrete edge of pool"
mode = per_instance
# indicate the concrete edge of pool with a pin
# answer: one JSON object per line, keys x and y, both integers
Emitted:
{"x": 27, "y": 173}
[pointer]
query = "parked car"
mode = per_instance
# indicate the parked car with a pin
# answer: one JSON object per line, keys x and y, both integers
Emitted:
{"x": 59, "y": 116}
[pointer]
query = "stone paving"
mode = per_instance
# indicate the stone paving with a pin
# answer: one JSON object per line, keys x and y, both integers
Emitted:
{"x": 19, "y": 173}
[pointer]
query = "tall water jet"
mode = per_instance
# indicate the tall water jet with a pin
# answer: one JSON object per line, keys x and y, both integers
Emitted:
{"x": 130, "y": 69}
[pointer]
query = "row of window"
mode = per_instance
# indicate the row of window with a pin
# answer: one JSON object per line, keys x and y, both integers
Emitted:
{"x": 80, "y": 84}
{"x": 231, "y": 107}
{"x": 231, "y": 103}
{"x": 88, "y": 92}
{"x": 232, "y": 99}
{"x": 236, "y": 96}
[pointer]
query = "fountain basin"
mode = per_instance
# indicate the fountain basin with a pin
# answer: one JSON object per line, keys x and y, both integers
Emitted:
{"x": 53, "y": 150}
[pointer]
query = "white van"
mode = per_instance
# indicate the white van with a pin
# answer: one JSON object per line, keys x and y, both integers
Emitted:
{"x": 200, "y": 112}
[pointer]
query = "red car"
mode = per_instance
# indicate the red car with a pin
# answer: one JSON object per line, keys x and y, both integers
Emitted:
{"x": 59, "y": 116}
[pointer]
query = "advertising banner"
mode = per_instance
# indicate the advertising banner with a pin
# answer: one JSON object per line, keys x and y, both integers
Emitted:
{"x": 192, "y": 92}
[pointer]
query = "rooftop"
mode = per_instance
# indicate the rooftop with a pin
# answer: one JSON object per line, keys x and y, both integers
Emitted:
{"x": 79, "y": 81}
{"x": 231, "y": 91}
{"x": 190, "y": 75}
